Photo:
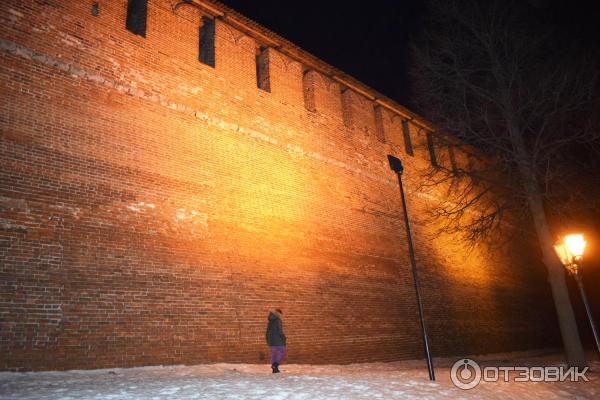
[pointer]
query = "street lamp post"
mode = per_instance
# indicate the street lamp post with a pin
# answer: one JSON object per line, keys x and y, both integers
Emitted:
{"x": 570, "y": 251}
{"x": 396, "y": 166}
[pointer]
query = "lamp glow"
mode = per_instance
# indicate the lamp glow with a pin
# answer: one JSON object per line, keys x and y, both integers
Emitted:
{"x": 570, "y": 249}
{"x": 575, "y": 244}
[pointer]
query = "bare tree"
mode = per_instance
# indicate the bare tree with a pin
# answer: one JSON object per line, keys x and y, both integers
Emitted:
{"x": 489, "y": 74}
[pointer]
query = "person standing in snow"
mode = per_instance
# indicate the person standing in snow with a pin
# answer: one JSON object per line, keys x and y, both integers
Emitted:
{"x": 276, "y": 339}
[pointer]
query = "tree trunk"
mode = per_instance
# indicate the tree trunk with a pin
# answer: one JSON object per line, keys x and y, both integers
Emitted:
{"x": 560, "y": 293}
{"x": 556, "y": 274}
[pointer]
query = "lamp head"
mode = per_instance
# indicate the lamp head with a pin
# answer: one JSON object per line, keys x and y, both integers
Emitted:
{"x": 570, "y": 251}
{"x": 395, "y": 164}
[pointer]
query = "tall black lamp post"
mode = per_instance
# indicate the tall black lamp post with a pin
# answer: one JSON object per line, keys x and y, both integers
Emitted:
{"x": 396, "y": 166}
{"x": 570, "y": 251}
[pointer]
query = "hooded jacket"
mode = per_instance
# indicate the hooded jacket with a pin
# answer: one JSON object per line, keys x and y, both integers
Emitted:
{"x": 274, "y": 335}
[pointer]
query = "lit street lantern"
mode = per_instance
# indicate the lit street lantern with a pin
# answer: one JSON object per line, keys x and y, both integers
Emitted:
{"x": 570, "y": 251}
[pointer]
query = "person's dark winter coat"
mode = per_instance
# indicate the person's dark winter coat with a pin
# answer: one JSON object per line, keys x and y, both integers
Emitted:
{"x": 275, "y": 339}
{"x": 274, "y": 335}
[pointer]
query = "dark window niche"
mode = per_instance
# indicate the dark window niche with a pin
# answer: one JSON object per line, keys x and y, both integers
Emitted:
{"x": 137, "y": 11}
{"x": 263, "y": 82}
{"x": 308, "y": 88}
{"x": 379, "y": 127}
{"x": 206, "y": 53}
{"x": 431, "y": 148}
{"x": 408, "y": 147}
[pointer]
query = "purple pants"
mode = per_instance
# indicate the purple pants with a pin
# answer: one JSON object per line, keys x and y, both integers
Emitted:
{"x": 277, "y": 354}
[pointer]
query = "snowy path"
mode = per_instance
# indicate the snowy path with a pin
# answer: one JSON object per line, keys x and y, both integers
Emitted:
{"x": 406, "y": 380}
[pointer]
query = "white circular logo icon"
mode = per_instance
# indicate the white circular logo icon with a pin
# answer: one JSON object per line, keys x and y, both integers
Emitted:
{"x": 465, "y": 374}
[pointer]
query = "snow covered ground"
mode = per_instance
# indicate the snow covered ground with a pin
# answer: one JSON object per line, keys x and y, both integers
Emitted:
{"x": 406, "y": 380}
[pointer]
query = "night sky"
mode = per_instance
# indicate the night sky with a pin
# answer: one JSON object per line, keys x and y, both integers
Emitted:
{"x": 369, "y": 40}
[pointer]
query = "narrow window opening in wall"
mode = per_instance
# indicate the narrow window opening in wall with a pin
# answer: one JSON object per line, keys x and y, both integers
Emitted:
{"x": 206, "y": 42}
{"x": 431, "y": 148}
{"x": 379, "y": 128}
{"x": 263, "y": 81}
{"x": 137, "y": 11}
{"x": 346, "y": 107}
{"x": 95, "y": 9}
{"x": 308, "y": 88}
{"x": 407, "y": 142}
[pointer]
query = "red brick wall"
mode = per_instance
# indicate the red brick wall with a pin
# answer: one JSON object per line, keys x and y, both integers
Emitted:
{"x": 152, "y": 209}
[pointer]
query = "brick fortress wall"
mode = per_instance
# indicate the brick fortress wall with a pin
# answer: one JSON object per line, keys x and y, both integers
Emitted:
{"x": 153, "y": 208}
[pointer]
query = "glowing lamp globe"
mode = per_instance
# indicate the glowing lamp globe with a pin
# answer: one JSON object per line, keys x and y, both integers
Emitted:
{"x": 570, "y": 249}
{"x": 575, "y": 244}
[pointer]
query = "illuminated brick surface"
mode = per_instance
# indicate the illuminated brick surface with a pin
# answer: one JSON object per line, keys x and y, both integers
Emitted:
{"x": 152, "y": 208}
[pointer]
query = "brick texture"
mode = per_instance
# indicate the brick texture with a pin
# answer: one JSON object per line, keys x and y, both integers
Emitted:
{"x": 153, "y": 208}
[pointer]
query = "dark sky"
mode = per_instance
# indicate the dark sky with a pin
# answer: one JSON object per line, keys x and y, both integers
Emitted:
{"x": 369, "y": 39}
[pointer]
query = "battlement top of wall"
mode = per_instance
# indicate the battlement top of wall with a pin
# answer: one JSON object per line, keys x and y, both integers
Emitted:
{"x": 271, "y": 39}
